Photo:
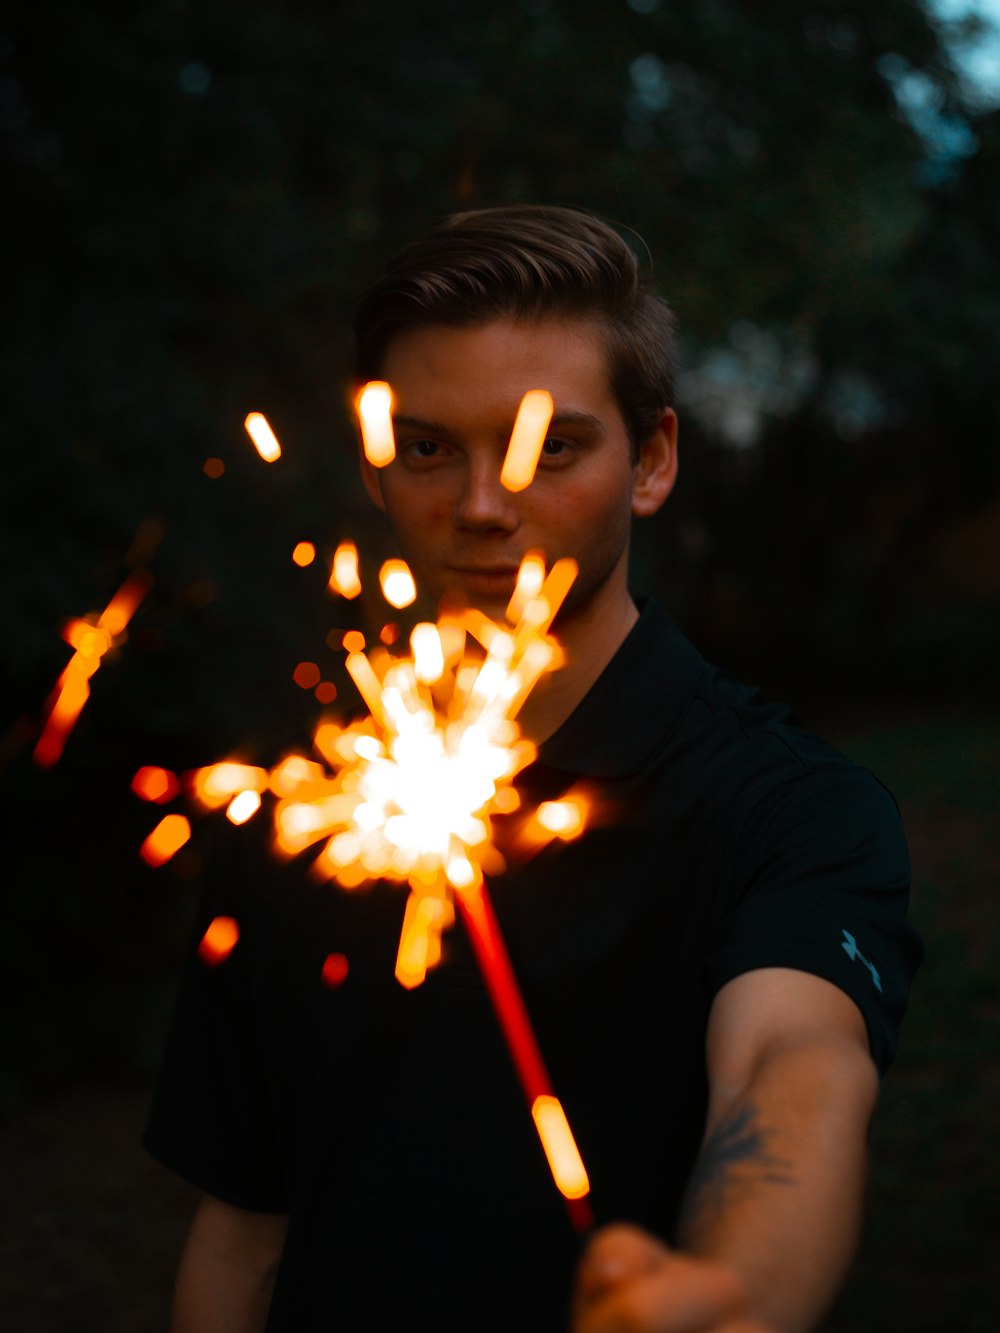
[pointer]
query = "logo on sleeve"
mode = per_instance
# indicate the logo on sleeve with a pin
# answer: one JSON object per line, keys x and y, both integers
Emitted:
{"x": 850, "y": 946}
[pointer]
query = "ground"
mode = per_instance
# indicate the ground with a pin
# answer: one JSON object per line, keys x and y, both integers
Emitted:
{"x": 90, "y": 1237}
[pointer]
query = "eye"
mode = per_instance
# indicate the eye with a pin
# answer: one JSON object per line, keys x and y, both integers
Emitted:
{"x": 554, "y": 447}
{"x": 418, "y": 452}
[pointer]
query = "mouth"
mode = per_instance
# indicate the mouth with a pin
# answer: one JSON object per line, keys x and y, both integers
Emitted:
{"x": 493, "y": 581}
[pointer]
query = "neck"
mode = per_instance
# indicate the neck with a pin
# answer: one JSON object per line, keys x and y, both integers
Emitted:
{"x": 590, "y": 637}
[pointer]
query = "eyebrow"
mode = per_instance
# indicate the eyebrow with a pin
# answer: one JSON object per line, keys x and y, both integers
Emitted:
{"x": 566, "y": 418}
{"x": 570, "y": 418}
{"x": 420, "y": 423}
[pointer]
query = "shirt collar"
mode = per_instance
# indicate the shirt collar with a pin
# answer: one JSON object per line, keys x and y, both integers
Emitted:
{"x": 634, "y": 705}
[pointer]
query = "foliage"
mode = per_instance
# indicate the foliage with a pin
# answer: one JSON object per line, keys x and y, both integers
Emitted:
{"x": 195, "y": 195}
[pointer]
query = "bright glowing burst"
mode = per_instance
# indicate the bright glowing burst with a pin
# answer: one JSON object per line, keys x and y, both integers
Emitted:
{"x": 304, "y": 554}
{"x": 407, "y": 794}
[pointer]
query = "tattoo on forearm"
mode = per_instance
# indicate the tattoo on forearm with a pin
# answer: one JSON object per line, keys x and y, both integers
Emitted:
{"x": 735, "y": 1155}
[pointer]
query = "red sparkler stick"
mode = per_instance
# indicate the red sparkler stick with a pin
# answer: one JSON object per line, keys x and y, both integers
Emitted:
{"x": 512, "y": 1015}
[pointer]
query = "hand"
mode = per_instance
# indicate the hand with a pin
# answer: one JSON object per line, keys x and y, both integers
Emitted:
{"x": 629, "y": 1282}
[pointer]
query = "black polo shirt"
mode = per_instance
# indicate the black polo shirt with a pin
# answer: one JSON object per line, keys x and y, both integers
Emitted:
{"x": 389, "y": 1123}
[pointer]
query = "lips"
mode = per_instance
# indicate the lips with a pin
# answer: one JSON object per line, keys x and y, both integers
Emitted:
{"x": 486, "y": 580}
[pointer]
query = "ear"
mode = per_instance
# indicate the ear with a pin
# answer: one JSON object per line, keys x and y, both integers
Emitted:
{"x": 370, "y": 479}
{"x": 656, "y": 471}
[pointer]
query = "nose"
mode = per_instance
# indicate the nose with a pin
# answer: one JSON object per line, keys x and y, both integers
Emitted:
{"x": 485, "y": 505}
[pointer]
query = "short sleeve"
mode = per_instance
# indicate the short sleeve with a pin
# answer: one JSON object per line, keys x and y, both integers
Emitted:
{"x": 212, "y": 1116}
{"x": 823, "y": 887}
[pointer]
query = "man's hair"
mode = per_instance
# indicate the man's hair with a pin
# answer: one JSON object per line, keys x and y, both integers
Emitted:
{"x": 529, "y": 262}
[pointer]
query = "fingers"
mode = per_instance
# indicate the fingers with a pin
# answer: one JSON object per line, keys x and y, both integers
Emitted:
{"x": 628, "y": 1282}
{"x": 615, "y": 1255}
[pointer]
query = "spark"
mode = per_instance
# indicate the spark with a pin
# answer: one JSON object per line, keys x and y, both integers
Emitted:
{"x": 374, "y": 406}
{"x": 304, "y": 554}
{"x": 219, "y": 941}
{"x": 344, "y": 577}
{"x": 155, "y": 784}
{"x": 91, "y": 639}
{"x": 563, "y": 1155}
{"x": 335, "y": 970}
{"x": 243, "y": 806}
{"x": 265, "y": 441}
{"x": 169, "y": 836}
{"x": 217, "y": 784}
{"x": 527, "y": 439}
{"x": 563, "y": 818}
{"x": 398, "y": 587}
{"x": 307, "y": 675}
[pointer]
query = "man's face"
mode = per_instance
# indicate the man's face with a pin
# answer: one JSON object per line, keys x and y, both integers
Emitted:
{"x": 457, "y": 391}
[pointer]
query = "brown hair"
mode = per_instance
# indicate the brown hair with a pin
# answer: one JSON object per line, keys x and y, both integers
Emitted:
{"x": 529, "y": 262}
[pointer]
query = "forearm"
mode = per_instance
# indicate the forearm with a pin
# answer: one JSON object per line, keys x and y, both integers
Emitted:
{"x": 227, "y": 1270}
{"x": 777, "y": 1191}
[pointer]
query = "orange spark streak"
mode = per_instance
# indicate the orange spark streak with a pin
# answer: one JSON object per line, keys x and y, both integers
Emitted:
{"x": 563, "y": 818}
{"x": 527, "y": 439}
{"x": 494, "y": 962}
{"x": 563, "y": 1155}
{"x": 530, "y": 578}
{"x": 90, "y": 641}
{"x": 218, "y": 783}
{"x": 374, "y": 406}
{"x": 243, "y": 806}
{"x": 265, "y": 441}
{"x": 169, "y": 836}
{"x": 219, "y": 941}
{"x": 398, "y": 587}
{"x": 344, "y": 577}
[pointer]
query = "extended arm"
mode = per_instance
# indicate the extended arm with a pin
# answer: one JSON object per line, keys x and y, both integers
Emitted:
{"x": 772, "y": 1212}
{"x": 227, "y": 1270}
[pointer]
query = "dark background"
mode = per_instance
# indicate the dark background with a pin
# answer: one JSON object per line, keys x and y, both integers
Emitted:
{"x": 193, "y": 196}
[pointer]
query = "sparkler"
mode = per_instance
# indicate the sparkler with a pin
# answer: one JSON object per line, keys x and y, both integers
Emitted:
{"x": 91, "y": 638}
{"x": 409, "y": 792}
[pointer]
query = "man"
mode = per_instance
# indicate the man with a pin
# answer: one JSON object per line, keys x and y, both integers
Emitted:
{"x": 716, "y": 969}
